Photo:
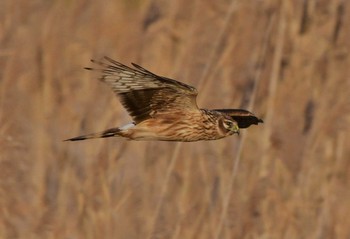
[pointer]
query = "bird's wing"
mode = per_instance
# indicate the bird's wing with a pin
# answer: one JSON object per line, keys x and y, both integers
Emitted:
{"x": 244, "y": 118}
{"x": 143, "y": 93}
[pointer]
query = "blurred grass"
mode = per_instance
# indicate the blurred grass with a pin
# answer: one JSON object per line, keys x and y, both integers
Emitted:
{"x": 292, "y": 179}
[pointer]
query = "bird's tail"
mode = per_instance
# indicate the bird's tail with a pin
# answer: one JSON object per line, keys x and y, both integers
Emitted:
{"x": 104, "y": 134}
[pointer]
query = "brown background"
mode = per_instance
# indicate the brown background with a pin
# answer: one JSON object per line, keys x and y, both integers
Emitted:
{"x": 287, "y": 61}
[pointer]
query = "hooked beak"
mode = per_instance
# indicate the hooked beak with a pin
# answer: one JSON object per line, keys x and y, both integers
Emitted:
{"x": 235, "y": 129}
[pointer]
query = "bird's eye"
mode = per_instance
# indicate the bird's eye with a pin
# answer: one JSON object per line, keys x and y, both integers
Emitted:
{"x": 228, "y": 124}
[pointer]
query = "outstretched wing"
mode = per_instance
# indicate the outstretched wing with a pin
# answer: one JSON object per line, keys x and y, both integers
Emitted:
{"x": 143, "y": 93}
{"x": 244, "y": 118}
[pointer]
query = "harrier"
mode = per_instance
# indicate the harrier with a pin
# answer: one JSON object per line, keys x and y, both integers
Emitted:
{"x": 164, "y": 109}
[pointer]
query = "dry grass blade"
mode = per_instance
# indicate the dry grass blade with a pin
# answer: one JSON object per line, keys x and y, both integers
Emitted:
{"x": 237, "y": 159}
{"x": 200, "y": 87}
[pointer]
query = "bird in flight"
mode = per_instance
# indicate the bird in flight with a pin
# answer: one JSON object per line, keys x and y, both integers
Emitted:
{"x": 164, "y": 109}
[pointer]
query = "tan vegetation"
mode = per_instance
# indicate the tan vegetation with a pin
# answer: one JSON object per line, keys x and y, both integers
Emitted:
{"x": 287, "y": 61}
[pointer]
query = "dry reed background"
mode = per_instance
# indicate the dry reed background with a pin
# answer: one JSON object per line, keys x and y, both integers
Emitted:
{"x": 288, "y": 61}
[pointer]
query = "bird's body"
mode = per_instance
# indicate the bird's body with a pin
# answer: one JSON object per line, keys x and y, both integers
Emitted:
{"x": 163, "y": 128}
{"x": 164, "y": 109}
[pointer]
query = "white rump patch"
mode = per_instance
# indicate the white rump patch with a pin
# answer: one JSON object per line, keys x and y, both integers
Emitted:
{"x": 127, "y": 126}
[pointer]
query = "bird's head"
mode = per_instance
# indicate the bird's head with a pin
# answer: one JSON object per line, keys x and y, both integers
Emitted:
{"x": 228, "y": 126}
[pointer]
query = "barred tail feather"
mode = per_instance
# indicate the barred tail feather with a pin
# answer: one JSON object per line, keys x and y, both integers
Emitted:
{"x": 107, "y": 133}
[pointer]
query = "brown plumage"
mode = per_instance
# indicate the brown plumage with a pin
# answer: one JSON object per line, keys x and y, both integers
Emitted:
{"x": 164, "y": 109}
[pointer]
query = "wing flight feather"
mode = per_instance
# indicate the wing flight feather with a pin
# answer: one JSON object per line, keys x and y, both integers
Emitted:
{"x": 143, "y": 93}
